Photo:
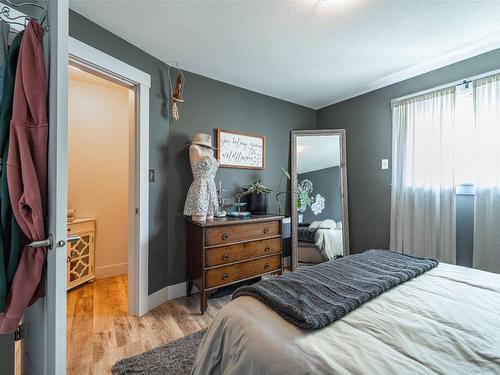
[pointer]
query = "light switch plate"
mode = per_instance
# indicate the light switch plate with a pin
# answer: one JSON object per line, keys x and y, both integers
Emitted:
{"x": 385, "y": 163}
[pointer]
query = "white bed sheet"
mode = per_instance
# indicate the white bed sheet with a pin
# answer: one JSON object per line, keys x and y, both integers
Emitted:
{"x": 329, "y": 242}
{"x": 446, "y": 321}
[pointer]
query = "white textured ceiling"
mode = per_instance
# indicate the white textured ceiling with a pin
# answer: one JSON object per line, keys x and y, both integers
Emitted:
{"x": 309, "y": 52}
{"x": 315, "y": 152}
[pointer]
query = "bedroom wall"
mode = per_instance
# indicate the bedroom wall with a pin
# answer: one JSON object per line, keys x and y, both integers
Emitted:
{"x": 367, "y": 120}
{"x": 209, "y": 104}
{"x": 465, "y": 229}
{"x": 327, "y": 183}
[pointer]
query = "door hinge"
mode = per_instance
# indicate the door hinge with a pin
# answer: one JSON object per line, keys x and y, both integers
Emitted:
{"x": 19, "y": 334}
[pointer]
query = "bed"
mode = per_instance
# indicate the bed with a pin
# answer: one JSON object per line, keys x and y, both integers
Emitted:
{"x": 309, "y": 254}
{"x": 319, "y": 242}
{"x": 446, "y": 321}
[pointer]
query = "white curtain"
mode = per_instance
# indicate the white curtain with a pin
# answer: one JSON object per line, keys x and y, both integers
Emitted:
{"x": 486, "y": 255}
{"x": 422, "y": 193}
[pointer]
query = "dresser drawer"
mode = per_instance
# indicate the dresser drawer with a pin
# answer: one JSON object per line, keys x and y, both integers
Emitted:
{"x": 228, "y": 274}
{"x": 248, "y": 250}
{"x": 236, "y": 233}
{"x": 81, "y": 227}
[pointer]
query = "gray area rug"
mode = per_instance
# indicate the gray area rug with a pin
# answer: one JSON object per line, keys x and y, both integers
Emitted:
{"x": 177, "y": 357}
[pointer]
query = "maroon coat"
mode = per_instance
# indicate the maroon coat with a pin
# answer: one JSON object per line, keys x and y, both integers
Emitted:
{"x": 27, "y": 173}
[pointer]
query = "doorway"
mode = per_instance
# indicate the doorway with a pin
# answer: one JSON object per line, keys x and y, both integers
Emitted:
{"x": 107, "y": 174}
{"x": 116, "y": 72}
{"x": 101, "y": 120}
{"x": 101, "y": 123}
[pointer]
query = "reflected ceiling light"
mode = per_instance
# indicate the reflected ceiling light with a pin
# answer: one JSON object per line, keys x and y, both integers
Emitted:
{"x": 336, "y": 4}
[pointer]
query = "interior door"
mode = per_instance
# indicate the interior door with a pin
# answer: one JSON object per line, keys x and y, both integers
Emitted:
{"x": 44, "y": 342}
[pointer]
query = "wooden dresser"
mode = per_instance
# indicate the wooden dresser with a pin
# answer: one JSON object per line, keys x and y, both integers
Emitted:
{"x": 225, "y": 251}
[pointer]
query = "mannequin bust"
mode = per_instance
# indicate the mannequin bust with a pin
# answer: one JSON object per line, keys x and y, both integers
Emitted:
{"x": 196, "y": 153}
{"x": 201, "y": 202}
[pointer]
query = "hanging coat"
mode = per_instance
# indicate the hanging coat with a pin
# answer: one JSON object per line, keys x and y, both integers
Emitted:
{"x": 9, "y": 230}
{"x": 27, "y": 173}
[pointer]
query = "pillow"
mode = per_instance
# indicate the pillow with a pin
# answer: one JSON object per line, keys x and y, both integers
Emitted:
{"x": 328, "y": 223}
{"x": 315, "y": 224}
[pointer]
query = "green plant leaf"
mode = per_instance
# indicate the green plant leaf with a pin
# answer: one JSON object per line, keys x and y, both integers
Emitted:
{"x": 285, "y": 172}
{"x": 257, "y": 187}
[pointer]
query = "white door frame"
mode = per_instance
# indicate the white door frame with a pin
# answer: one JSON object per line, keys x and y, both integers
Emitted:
{"x": 140, "y": 82}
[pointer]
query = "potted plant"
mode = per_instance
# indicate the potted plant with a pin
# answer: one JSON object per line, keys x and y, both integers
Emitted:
{"x": 303, "y": 198}
{"x": 286, "y": 222}
{"x": 256, "y": 196}
{"x": 304, "y": 201}
{"x": 278, "y": 193}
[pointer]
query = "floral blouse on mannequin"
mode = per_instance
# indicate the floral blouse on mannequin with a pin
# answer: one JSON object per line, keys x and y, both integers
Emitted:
{"x": 202, "y": 195}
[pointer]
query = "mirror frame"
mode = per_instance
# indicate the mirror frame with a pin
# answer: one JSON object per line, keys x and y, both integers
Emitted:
{"x": 343, "y": 194}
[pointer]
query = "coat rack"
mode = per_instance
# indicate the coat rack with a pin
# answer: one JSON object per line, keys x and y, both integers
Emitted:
{"x": 16, "y": 19}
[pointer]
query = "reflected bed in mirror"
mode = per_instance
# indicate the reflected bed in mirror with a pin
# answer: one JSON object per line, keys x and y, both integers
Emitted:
{"x": 319, "y": 196}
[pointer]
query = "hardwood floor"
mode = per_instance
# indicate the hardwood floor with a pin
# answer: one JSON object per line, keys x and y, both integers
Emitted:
{"x": 100, "y": 332}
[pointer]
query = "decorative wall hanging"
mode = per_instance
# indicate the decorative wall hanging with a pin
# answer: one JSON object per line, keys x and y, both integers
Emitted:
{"x": 240, "y": 150}
{"x": 177, "y": 91}
{"x": 319, "y": 204}
{"x": 304, "y": 199}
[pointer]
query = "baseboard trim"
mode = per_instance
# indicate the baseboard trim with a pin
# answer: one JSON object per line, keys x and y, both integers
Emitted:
{"x": 111, "y": 270}
{"x": 167, "y": 293}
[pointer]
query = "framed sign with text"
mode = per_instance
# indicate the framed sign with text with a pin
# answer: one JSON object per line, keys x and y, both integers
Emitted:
{"x": 240, "y": 150}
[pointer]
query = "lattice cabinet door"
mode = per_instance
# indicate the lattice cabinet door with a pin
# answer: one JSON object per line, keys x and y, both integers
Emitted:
{"x": 81, "y": 253}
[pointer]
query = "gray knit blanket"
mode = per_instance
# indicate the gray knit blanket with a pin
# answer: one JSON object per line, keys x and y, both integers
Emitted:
{"x": 316, "y": 296}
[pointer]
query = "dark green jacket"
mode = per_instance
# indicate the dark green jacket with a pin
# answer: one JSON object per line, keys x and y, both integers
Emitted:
{"x": 9, "y": 230}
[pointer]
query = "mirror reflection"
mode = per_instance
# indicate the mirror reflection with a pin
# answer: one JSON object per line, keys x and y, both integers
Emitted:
{"x": 318, "y": 220}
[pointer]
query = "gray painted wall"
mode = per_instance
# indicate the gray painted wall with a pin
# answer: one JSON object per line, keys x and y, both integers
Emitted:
{"x": 465, "y": 229}
{"x": 367, "y": 119}
{"x": 209, "y": 104}
{"x": 327, "y": 183}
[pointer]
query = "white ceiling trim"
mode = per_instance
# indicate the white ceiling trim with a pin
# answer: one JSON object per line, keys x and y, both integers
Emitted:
{"x": 460, "y": 54}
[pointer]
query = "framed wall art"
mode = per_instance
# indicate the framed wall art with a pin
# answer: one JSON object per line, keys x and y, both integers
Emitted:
{"x": 237, "y": 149}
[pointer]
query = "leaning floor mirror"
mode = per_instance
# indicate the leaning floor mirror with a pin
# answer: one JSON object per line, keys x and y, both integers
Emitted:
{"x": 320, "y": 229}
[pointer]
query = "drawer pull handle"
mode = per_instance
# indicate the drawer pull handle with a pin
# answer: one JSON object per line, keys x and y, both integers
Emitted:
{"x": 266, "y": 266}
{"x": 225, "y": 276}
{"x": 266, "y": 230}
{"x": 225, "y": 256}
{"x": 267, "y": 248}
{"x": 225, "y": 236}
